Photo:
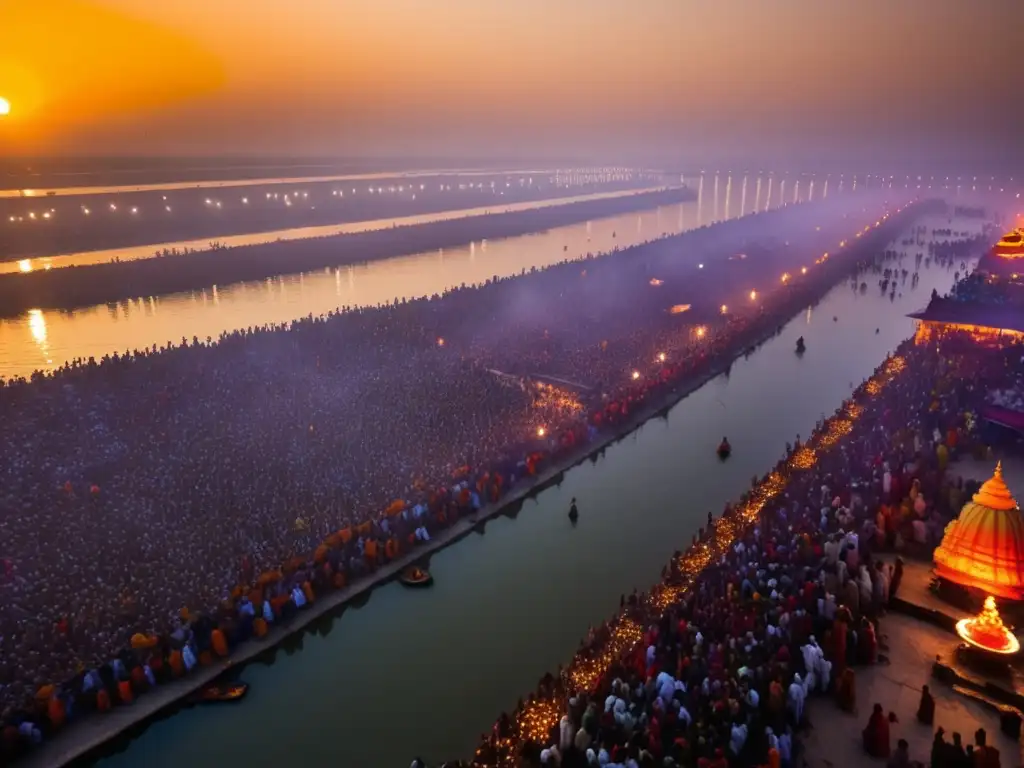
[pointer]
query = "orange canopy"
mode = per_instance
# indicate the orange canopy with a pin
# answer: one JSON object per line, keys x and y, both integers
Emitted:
{"x": 984, "y": 547}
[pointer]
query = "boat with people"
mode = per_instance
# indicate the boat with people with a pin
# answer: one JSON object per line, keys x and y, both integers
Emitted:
{"x": 724, "y": 449}
{"x": 415, "y": 576}
{"x": 219, "y": 693}
{"x": 800, "y": 346}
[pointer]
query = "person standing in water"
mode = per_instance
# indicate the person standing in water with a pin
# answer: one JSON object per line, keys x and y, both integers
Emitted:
{"x": 573, "y": 512}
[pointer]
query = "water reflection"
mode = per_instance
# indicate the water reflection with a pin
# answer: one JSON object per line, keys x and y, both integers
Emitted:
{"x": 134, "y": 252}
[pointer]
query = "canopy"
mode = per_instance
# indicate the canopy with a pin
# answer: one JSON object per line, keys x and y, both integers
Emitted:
{"x": 984, "y": 547}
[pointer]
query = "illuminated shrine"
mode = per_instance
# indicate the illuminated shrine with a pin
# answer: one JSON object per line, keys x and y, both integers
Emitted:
{"x": 984, "y": 547}
{"x": 1011, "y": 245}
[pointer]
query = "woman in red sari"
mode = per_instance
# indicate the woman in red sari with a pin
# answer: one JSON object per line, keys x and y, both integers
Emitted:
{"x": 876, "y": 734}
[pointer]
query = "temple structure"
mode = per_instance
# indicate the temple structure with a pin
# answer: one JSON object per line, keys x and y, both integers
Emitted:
{"x": 984, "y": 547}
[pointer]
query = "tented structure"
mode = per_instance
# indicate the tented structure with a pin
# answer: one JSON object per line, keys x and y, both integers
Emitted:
{"x": 984, "y": 547}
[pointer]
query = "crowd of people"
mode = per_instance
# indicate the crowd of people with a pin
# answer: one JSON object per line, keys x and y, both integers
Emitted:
{"x": 783, "y": 598}
{"x": 160, "y": 507}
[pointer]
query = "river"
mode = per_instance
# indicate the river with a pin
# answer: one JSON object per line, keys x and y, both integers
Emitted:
{"x": 148, "y": 251}
{"x": 425, "y": 672}
{"x": 41, "y": 340}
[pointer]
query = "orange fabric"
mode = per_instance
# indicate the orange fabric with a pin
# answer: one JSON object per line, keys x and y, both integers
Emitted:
{"x": 177, "y": 664}
{"x": 205, "y": 658}
{"x": 277, "y": 603}
{"x": 124, "y": 692}
{"x": 55, "y": 712}
{"x": 364, "y": 528}
{"x": 103, "y": 700}
{"x": 307, "y": 590}
{"x": 371, "y": 549}
{"x": 139, "y": 679}
{"x": 219, "y": 643}
{"x": 339, "y": 580}
{"x": 333, "y": 540}
{"x": 391, "y": 549}
{"x": 321, "y": 554}
{"x": 346, "y": 535}
{"x": 774, "y": 759}
{"x": 259, "y": 626}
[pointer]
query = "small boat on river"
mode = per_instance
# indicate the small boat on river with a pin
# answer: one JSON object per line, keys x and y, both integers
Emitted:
{"x": 800, "y": 346}
{"x": 416, "y": 577}
{"x": 222, "y": 692}
{"x": 724, "y": 449}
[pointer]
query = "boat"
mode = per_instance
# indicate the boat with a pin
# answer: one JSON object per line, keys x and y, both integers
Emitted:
{"x": 416, "y": 577}
{"x": 222, "y": 692}
{"x": 724, "y": 449}
{"x": 800, "y": 346}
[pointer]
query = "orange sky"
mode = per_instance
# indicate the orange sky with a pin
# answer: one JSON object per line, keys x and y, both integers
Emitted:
{"x": 351, "y": 77}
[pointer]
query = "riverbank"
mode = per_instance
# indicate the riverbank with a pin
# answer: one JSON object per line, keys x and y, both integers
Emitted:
{"x": 76, "y": 287}
{"x": 155, "y": 218}
{"x": 155, "y": 701}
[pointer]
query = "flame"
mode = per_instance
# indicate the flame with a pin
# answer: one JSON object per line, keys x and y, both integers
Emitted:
{"x": 656, "y": 282}
{"x": 678, "y": 309}
{"x": 987, "y": 631}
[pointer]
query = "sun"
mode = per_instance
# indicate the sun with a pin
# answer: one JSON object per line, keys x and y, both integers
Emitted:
{"x": 5, "y": 107}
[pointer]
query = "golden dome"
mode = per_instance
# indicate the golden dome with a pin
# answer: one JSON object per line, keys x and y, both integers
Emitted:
{"x": 984, "y": 546}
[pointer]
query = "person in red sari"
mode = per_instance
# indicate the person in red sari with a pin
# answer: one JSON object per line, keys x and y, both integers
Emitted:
{"x": 876, "y": 734}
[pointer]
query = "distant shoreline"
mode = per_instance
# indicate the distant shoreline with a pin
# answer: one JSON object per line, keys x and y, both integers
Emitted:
{"x": 329, "y": 202}
{"x": 76, "y": 287}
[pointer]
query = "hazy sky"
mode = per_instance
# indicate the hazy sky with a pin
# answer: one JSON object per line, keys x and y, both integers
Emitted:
{"x": 788, "y": 81}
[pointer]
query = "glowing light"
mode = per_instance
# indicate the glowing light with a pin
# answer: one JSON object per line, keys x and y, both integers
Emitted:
{"x": 440, "y": 341}
{"x": 700, "y": 266}
{"x": 678, "y": 309}
{"x": 135, "y": 210}
{"x": 724, "y": 309}
{"x": 46, "y": 215}
{"x": 656, "y": 282}
{"x": 661, "y": 357}
{"x": 987, "y": 632}
{"x": 803, "y": 270}
{"x": 701, "y": 331}
{"x": 5, "y": 107}
{"x": 113, "y": 207}
{"x": 753, "y": 295}
{"x": 25, "y": 265}
{"x": 245, "y": 201}
{"x": 636, "y": 375}
{"x": 85, "y": 211}
{"x": 541, "y": 431}
{"x": 785, "y": 277}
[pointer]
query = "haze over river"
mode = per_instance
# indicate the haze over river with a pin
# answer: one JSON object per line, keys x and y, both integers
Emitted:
{"x": 423, "y": 672}
{"x": 41, "y": 340}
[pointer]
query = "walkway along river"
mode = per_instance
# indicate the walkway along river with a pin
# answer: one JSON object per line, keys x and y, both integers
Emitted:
{"x": 525, "y": 595}
{"x": 195, "y": 270}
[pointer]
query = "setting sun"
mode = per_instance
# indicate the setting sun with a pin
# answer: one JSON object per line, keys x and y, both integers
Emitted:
{"x": 5, "y": 107}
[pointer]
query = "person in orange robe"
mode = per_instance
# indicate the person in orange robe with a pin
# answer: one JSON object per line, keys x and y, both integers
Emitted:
{"x": 876, "y": 734}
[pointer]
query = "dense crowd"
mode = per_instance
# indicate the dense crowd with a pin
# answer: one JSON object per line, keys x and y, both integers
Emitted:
{"x": 168, "y": 504}
{"x": 781, "y": 599}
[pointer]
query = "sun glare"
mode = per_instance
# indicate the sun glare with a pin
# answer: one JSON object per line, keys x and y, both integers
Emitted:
{"x": 5, "y": 107}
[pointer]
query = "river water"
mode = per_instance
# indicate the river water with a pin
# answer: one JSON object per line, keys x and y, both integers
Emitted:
{"x": 148, "y": 251}
{"x": 425, "y": 672}
{"x": 41, "y": 340}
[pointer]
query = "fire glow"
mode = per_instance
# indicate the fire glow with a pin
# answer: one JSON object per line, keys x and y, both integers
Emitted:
{"x": 987, "y": 631}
